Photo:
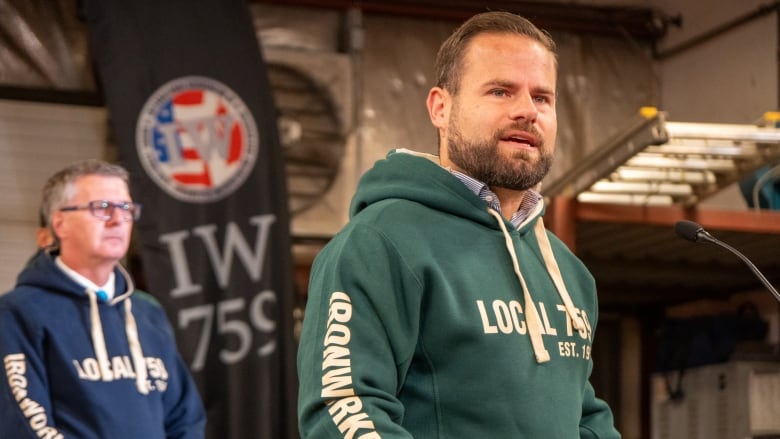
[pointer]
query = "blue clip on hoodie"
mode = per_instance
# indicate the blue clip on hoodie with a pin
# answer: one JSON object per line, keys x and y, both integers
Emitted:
{"x": 79, "y": 368}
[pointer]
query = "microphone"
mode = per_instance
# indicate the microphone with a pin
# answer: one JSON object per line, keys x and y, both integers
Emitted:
{"x": 693, "y": 232}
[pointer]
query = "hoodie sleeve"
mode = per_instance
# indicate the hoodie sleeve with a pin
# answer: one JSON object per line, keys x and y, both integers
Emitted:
{"x": 185, "y": 416}
{"x": 25, "y": 407}
{"x": 359, "y": 334}
{"x": 597, "y": 421}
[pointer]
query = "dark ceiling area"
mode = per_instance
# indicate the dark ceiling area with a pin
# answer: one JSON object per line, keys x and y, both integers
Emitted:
{"x": 641, "y": 23}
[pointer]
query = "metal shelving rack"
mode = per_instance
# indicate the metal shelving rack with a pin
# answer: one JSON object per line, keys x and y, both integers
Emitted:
{"x": 657, "y": 162}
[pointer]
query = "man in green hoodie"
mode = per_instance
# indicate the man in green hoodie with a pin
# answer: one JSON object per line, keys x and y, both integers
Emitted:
{"x": 444, "y": 309}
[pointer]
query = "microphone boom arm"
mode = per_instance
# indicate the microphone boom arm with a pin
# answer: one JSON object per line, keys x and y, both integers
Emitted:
{"x": 704, "y": 235}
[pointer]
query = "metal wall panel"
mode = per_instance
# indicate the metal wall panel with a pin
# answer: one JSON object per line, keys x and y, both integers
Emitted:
{"x": 36, "y": 140}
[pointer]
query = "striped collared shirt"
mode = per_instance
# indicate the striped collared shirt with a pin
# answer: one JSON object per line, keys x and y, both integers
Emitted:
{"x": 480, "y": 189}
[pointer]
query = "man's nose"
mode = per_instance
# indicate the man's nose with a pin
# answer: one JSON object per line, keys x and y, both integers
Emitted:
{"x": 524, "y": 107}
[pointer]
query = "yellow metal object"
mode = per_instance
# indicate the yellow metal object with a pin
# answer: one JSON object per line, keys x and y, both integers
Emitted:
{"x": 648, "y": 112}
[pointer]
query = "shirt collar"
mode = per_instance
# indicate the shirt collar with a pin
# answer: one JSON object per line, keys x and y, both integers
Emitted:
{"x": 480, "y": 189}
{"x": 108, "y": 287}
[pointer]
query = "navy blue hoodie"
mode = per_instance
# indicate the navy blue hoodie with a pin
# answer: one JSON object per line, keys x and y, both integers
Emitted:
{"x": 76, "y": 367}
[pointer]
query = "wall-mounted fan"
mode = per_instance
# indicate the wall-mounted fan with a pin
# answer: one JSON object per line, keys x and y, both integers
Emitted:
{"x": 313, "y": 97}
{"x": 310, "y": 133}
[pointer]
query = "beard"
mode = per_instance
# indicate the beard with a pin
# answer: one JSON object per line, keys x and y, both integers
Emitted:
{"x": 481, "y": 159}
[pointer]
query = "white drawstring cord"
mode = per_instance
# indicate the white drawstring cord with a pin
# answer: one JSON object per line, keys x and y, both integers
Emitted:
{"x": 131, "y": 331}
{"x": 532, "y": 316}
{"x": 139, "y": 363}
{"x": 555, "y": 273}
{"x": 98, "y": 340}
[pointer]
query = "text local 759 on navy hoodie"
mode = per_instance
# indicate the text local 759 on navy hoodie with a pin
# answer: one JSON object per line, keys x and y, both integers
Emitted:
{"x": 430, "y": 316}
{"x": 72, "y": 367}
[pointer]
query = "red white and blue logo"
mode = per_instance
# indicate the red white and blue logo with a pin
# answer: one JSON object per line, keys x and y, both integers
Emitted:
{"x": 196, "y": 139}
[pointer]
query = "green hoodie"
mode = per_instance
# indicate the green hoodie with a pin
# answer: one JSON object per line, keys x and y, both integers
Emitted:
{"x": 418, "y": 321}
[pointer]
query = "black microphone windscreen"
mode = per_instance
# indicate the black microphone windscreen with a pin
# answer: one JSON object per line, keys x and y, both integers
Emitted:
{"x": 688, "y": 230}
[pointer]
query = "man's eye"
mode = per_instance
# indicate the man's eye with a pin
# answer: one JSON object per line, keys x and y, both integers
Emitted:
{"x": 498, "y": 92}
{"x": 542, "y": 99}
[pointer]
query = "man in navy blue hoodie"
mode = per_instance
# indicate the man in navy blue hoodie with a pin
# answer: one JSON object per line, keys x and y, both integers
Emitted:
{"x": 85, "y": 354}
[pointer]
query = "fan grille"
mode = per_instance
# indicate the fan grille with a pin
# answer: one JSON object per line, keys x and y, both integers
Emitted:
{"x": 310, "y": 133}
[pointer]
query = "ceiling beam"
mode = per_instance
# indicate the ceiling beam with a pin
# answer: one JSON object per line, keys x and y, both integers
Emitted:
{"x": 760, "y": 221}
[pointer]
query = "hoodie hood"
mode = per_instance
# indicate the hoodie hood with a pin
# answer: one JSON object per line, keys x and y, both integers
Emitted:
{"x": 418, "y": 177}
{"x": 42, "y": 273}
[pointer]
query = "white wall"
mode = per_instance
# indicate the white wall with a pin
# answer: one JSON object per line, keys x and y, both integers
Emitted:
{"x": 730, "y": 78}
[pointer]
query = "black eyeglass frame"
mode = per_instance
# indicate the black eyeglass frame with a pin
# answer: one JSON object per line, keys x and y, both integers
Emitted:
{"x": 128, "y": 209}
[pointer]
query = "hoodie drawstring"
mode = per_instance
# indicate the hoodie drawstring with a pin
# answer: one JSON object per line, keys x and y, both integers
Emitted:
{"x": 131, "y": 331}
{"x": 532, "y": 316}
{"x": 555, "y": 273}
{"x": 98, "y": 340}
{"x": 139, "y": 363}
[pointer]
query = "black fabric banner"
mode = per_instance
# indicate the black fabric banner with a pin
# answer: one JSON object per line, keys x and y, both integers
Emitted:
{"x": 194, "y": 120}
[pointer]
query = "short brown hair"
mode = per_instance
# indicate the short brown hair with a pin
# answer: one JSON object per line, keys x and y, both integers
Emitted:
{"x": 449, "y": 60}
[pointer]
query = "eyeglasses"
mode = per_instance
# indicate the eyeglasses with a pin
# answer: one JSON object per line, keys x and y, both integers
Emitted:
{"x": 104, "y": 210}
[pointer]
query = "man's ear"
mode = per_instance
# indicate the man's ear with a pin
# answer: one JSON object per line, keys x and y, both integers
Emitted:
{"x": 43, "y": 237}
{"x": 56, "y": 222}
{"x": 438, "y": 103}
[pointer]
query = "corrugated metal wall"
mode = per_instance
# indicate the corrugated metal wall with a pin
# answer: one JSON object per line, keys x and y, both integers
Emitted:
{"x": 36, "y": 140}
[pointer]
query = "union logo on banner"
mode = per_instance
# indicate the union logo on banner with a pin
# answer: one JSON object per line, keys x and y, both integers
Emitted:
{"x": 196, "y": 139}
